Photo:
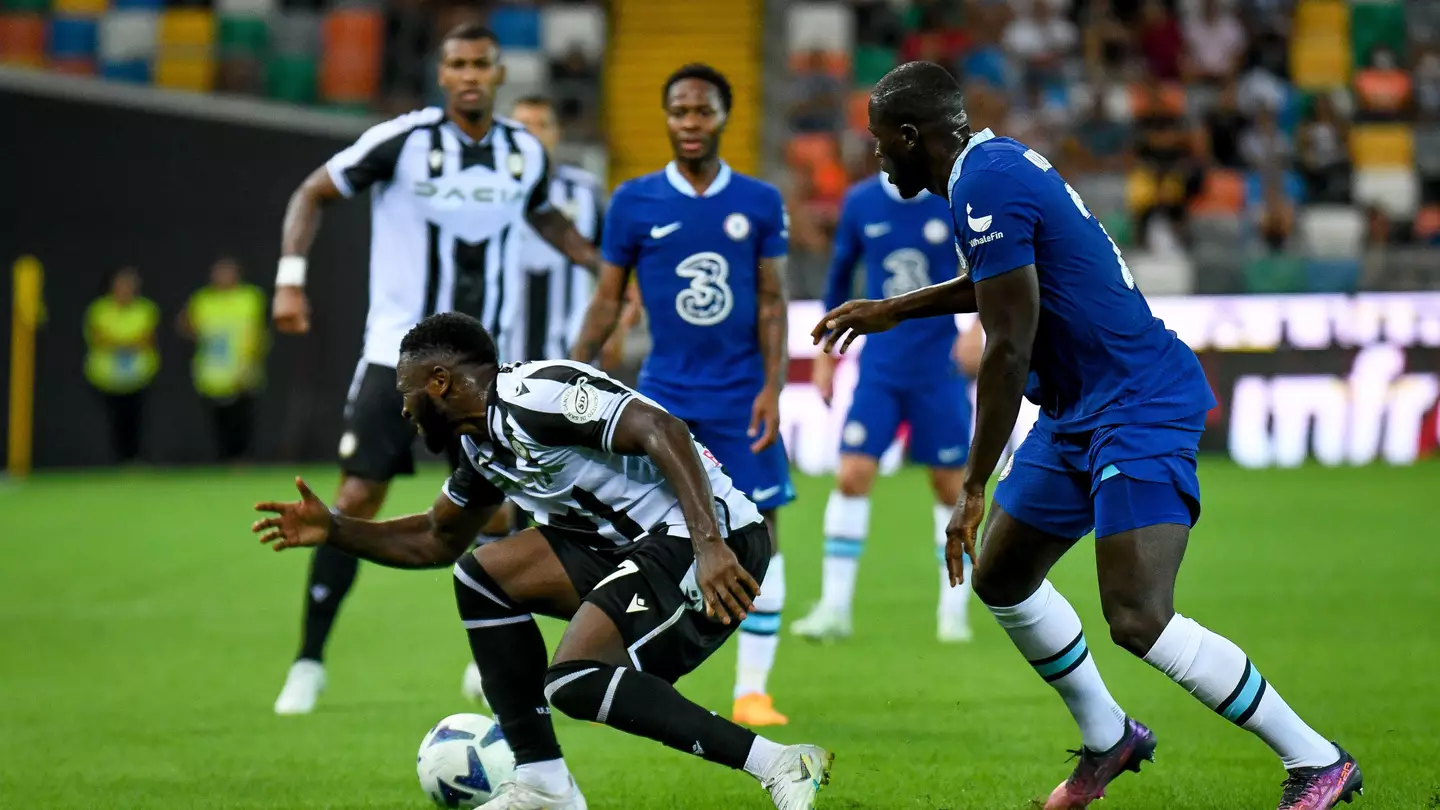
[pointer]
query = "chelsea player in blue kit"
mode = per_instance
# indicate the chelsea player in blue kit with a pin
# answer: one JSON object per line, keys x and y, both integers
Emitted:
{"x": 708, "y": 246}
{"x": 1123, "y": 403}
{"x": 907, "y": 374}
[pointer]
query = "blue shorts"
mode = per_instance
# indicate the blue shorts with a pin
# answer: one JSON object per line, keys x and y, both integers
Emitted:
{"x": 1112, "y": 479}
{"x": 937, "y": 410}
{"x": 764, "y": 477}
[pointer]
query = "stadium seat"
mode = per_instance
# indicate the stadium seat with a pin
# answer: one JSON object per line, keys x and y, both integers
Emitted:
{"x": 126, "y": 37}
{"x": 1314, "y": 17}
{"x": 526, "y": 67}
{"x": 1422, "y": 22}
{"x": 811, "y": 150}
{"x": 1427, "y": 224}
{"x": 1171, "y": 95}
{"x": 1373, "y": 23}
{"x": 516, "y": 26}
{"x": 295, "y": 34}
{"x": 1216, "y": 250}
{"x": 193, "y": 74}
{"x": 1331, "y": 231}
{"x": 857, "y": 111}
{"x": 72, "y": 40}
{"x": 823, "y": 26}
{"x": 837, "y": 63}
{"x": 244, "y": 37}
{"x": 291, "y": 78}
{"x": 79, "y": 8}
{"x": 1397, "y": 191}
{"x": 186, "y": 33}
{"x": 1376, "y": 146}
{"x": 1104, "y": 193}
{"x": 351, "y": 40}
{"x": 562, "y": 26}
{"x": 1223, "y": 192}
{"x": 1320, "y": 63}
{"x": 137, "y": 5}
{"x": 872, "y": 62}
{"x": 1273, "y": 274}
{"x": 136, "y": 71}
{"x": 246, "y": 8}
{"x": 22, "y": 39}
{"x": 1427, "y": 151}
{"x": 1120, "y": 227}
{"x": 1332, "y": 275}
{"x": 1291, "y": 182}
{"x": 24, "y": 5}
{"x": 74, "y": 66}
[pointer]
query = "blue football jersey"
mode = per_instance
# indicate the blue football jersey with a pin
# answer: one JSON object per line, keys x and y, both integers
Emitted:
{"x": 905, "y": 245}
{"x": 1100, "y": 357}
{"x": 696, "y": 258}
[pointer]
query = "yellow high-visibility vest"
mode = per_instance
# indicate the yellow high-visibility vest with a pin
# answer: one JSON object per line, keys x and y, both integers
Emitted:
{"x": 122, "y": 358}
{"x": 230, "y": 340}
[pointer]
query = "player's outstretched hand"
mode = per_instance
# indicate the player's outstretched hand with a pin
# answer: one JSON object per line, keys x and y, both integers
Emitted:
{"x": 728, "y": 588}
{"x": 960, "y": 534}
{"x": 851, "y": 320}
{"x": 765, "y": 419}
{"x": 291, "y": 310}
{"x": 305, "y": 522}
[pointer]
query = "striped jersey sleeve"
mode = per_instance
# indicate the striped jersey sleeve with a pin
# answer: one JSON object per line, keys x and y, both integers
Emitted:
{"x": 372, "y": 158}
{"x": 562, "y": 404}
{"x": 469, "y": 490}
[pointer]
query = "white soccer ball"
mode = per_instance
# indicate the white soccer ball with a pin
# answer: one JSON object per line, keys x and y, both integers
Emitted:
{"x": 462, "y": 760}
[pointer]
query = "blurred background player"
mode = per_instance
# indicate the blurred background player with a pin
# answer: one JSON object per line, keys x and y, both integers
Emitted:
{"x": 120, "y": 359}
{"x": 557, "y": 290}
{"x": 909, "y": 375}
{"x": 450, "y": 187}
{"x": 708, "y": 248}
{"x": 226, "y": 319}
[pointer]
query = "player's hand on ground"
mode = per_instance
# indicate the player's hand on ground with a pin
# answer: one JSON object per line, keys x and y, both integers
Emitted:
{"x": 291, "y": 310}
{"x": 305, "y": 522}
{"x": 728, "y": 588}
{"x": 960, "y": 534}
{"x": 764, "y": 419}
{"x": 851, "y": 320}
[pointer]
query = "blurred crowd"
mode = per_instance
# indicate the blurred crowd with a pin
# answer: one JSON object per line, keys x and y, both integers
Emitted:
{"x": 1282, "y": 145}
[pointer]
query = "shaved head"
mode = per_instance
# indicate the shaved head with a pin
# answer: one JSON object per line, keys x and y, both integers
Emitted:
{"x": 917, "y": 115}
{"x": 918, "y": 93}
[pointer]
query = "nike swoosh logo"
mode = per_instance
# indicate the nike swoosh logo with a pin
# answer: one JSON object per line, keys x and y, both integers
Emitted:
{"x": 625, "y": 568}
{"x": 978, "y": 225}
{"x": 637, "y": 605}
{"x": 662, "y": 231}
{"x": 876, "y": 230}
{"x": 767, "y": 493}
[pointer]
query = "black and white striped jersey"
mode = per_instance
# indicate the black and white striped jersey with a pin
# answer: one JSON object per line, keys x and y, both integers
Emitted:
{"x": 551, "y": 426}
{"x": 446, "y": 213}
{"x": 557, "y": 290}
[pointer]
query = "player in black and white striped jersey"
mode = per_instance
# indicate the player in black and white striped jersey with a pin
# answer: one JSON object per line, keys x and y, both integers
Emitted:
{"x": 557, "y": 289}
{"x": 451, "y": 189}
{"x": 643, "y": 545}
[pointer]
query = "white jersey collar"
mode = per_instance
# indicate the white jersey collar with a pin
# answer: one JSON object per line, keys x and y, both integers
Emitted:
{"x": 680, "y": 184}
{"x": 975, "y": 140}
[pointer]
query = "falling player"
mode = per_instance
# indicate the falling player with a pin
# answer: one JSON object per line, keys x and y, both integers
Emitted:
{"x": 908, "y": 374}
{"x": 643, "y": 544}
{"x": 449, "y": 190}
{"x": 1123, "y": 403}
{"x": 708, "y": 248}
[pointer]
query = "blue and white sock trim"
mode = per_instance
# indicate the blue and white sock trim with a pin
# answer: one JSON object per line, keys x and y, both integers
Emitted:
{"x": 1242, "y": 703}
{"x": 759, "y": 623}
{"x": 844, "y": 547}
{"x": 1064, "y": 662}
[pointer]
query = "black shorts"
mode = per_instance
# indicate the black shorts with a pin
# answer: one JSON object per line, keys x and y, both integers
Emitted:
{"x": 378, "y": 443}
{"x": 648, "y": 589}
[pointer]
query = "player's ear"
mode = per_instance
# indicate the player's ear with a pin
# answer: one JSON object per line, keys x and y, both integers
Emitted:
{"x": 910, "y": 134}
{"x": 439, "y": 383}
{"x": 499, "y": 74}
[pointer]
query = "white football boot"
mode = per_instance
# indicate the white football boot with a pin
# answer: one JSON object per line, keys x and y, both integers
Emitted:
{"x": 796, "y": 775}
{"x": 472, "y": 687}
{"x": 302, "y": 688}
{"x": 952, "y": 629}
{"x": 824, "y": 623}
{"x": 517, "y": 795}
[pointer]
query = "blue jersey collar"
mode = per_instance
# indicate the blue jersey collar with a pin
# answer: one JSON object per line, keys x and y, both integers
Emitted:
{"x": 894, "y": 192}
{"x": 975, "y": 140}
{"x": 680, "y": 184}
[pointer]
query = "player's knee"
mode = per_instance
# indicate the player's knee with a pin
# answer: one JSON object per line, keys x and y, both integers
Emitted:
{"x": 579, "y": 688}
{"x": 1136, "y": 627}
{"x": 479, "y": 598}
{"x": 855, "y": 477}
{"x": 946, "y": 483}
{"x": 996, "y": 587}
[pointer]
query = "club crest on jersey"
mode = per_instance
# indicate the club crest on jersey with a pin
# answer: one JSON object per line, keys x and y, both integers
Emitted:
{"x": 580, "y": 402}
{"x": 936, "y": 232}
{"x": 516, "y": 164}
{"x": 437, "y": 159}
{"x": 737, "y": 226}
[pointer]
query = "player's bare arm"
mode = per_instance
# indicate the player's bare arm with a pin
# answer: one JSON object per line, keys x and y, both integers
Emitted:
{"x": 1009, "y": 314}
{"x": 557, "y": 229}
{"x": 290, "y": 308}
{"x": 603, "y": 312}
{"x": 773, "y": 323}
{"x": 855, "y": 318}
{"x": 645, "y": 430}
{"x": 433, "y": 539}
{"x": 613, "y": 352}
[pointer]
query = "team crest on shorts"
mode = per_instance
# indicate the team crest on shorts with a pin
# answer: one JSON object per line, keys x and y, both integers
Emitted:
{"x": 1009, "y": 462}
{"x": 580, "y": 402}
{"x": 854, "y": 434}
{"x": 348, "y": 443}
{"x": 737, "y": 226}
{"x": 936, "y": 232}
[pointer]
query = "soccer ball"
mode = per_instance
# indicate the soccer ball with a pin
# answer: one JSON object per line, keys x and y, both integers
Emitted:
{"x": 462, "y": 760}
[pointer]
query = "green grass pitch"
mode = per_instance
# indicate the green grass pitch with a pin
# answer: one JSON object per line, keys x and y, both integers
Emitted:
{"x": 144, "y": 635}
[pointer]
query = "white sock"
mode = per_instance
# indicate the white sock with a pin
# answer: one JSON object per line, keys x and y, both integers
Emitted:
{"x": 551, "y": 776}
{"x": 762, "y": 755}
{"x": 1047, "y": 632}
{"x": 1219, "y": 675}
{"x": 954, "y": 602}
{"x": 847, "y": 522}
{"x": 760, "y": 632}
